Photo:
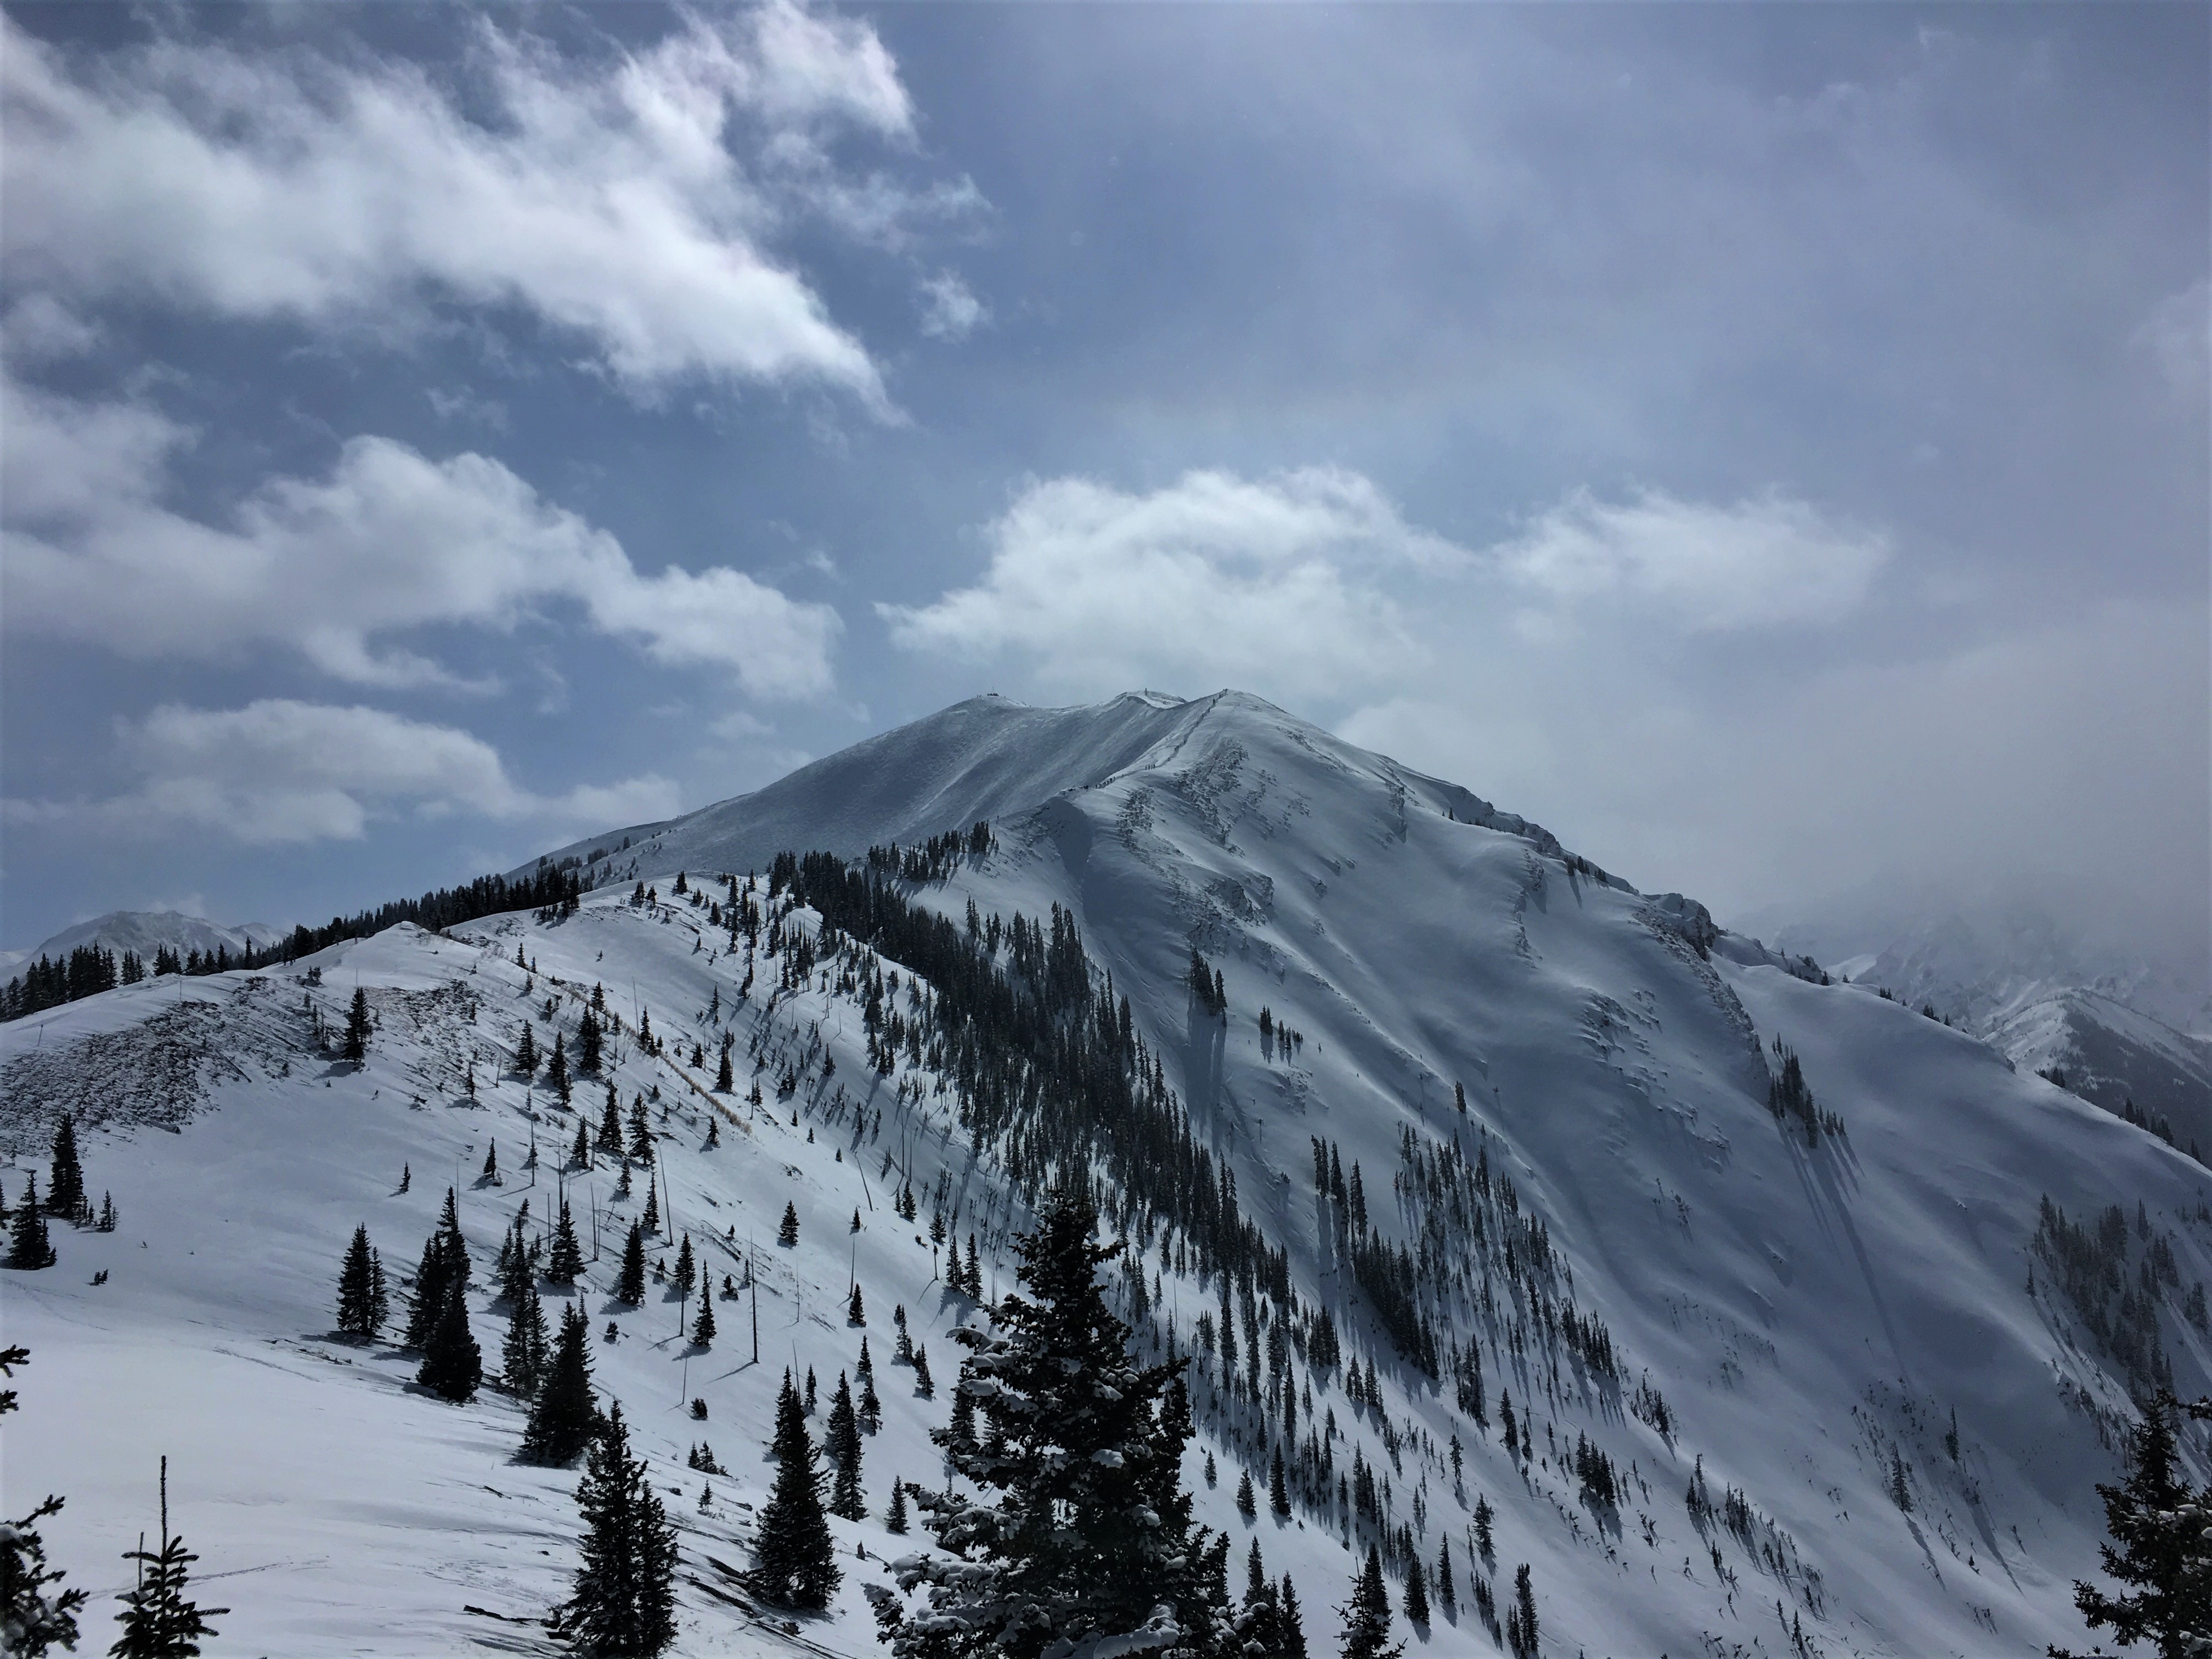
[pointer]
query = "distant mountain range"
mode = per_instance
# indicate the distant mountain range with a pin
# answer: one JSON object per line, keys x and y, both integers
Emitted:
{"x": 146, "y": 932}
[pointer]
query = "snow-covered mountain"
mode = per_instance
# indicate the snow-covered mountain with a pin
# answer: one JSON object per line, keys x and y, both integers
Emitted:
{"x": 2123, "y": 1027}
{"x": 146, "y": 932}
{"x": 1854, "y": 1322}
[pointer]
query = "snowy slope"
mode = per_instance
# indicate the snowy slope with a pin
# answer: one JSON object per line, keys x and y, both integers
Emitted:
{"x": 2113, "y": 1055}
{"x": 1811, "y": 1318}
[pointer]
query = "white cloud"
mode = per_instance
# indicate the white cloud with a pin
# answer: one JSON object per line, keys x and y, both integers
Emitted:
{"x": 1267, "y": 582}
{"x": 278, "y": 771}
{"x": 388, "y": 540}
{"x": 40, "y": 327}
{"x": 950, "y": 309}
{"x": 1759, "y": 563}
{"x": 610, "y": 200}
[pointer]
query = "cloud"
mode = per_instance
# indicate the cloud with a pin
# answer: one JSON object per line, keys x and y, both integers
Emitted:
{"x": 2178, "y": 334}
{"x": 949, "y": 310}
{"x": 1764, "y": 561}
{"x": 388, "y": 540}
{"x": 39, "y": 328}
{"x": 278, "y": 771}
{"x": 1267, "y": 582}
{"x": 630, "y": 205}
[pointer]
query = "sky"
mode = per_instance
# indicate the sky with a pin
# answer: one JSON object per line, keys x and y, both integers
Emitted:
{"x": 1766, "y": 445}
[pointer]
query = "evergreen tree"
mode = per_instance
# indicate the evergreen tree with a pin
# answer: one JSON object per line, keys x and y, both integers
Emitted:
{"x": 1293, "y": 1626}
{"x": 1483, "y": 1515}
{"x": 630, "y": 1286}
{"x": 65, "y": 1195}
{"x": 444, "y": 1271}
{"x": 702, "y": 1328}
{"x": 856, "y": 1310}
{"x": 522, "y": 1356}
{"x": 1367, "y": 1615}
{"x": 1447, "y": 1592}
{"x": 563, "y": 1418}
{"x": 526, "y": 1051}
{"x": 588, "y": 1039}
{"x": 491, "y": 1163}
{"x": 652, "y": 1207}
{"x": 641, "y": 1132}
{"x": 158, "y": 1621}
{"x": 566, "y": 1261}
{"x": 28, "y": 1247}
{"x": 1245, "y": 1505}
{"x": 362, "y": 1298}
{"x": 357, "y": 1030}
{"x": 1521, "y": 1619}
{"x": 2159, "y": 1527}
{"x": 31, "y": 1620}
{"x": 793, "y": 1564}
{"x": 1417, "y": 1592}
{"x": 1094, "y": 1542}
{"x": 452, "y": 1365}
{"x": 687, "y": 1269}
{"x": 724, "y": 1079}
{"x": 580, "y": 1155}
{"x": 611, "y": 1127}
{"x": 624, "y": 1599}
{"x": 894, "y": 1521}
{"x": 556, "y": 1069}
{"x": 1279, "y": 1487}
{"x": 840, "y": 1439}
{"x": 787, "y": 1234}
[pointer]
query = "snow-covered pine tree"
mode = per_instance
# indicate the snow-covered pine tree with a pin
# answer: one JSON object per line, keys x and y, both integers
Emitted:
{"x": 894, "y": 1521}
{"x": 687, "y": 1268}
{"x": 580, "y": 1155}
{"x": 28, "y": 1247}
{"x": 523, "y": 1355}
{"x": 491, "y": 1163}
{"x": 1245, "y": 1505}
{"x": 2157, "y": 1525}
{"x": 563, "y": 1418}
{"x": 1092, "y": 1543}
{"x": 158, "y": 1621}
{"x": 1447, "y": 1591}
{"x": 787, "y": 1233}
{"x": 1293, "y": 1626}
{"x": 1521, "y": 1618}
{"x": 794, "y": 1564}
{"x": 725, "y": 1079}
{"x": 452, "y": 1365}
{"x": 65, "y": 1195}
{"x": 357, "y": 1029}
{"x": 652, "y": 1207}
{"x": 610, "y": 1126}
{"x": 624, "y": 1598}
{"x": 856, "y": 1309}
{"x": 588, "y": 1040}
{"x": 361, "y": 1306}
{"x": 31, "y": 1620}
{"x": 641, "y": 1132}
{"x": 526, "y": 1051}
{"x": 629, "y": 1286}
{"x": 556, "y": 1068}
{"x": 1367, "y": 1615}
{"x": 565, "y": 1260}
{"x": 702, "y": 1328}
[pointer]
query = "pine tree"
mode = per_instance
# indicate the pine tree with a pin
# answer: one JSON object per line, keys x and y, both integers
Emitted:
{"x": 556, "y": 1069}
{"x": 65, "y": 1195}
{"x": 1293, "y": 1626}
{"x": 1367, "y": 1615}
{"x": 630, "y": 1286}
{"x": 1096, "y": 1542}
{"x": 1447, "y": 1592}
{"x": 787, "y": 1234}
{"x": 725, "y": 1079}
{"x": 1483, "y": 1515}
{"x": 624, "y": 1599}
{"x": 588, "y": 1037}
{"x": 566, "y": 1261}
{"x": 522, "y": 1356}
{"x": 444, "y": 1271}
{"x": 357, "y": 1030}
{"x": 491, "y": 1164}
{"x": 652, "y": 1208}
{"x": 702, "y": 1328}
{"x": 361, "y": 1297}
{"x": 158, "y": 1621}
{"x": 794, "y": 1563}
{"x": 452, "y": 1365}
{"x": 28, "y": 1247}
{"x": 1417, "y": 1592}
{"x": 641, "y": 1132}
{"x": 856, "y": 1312}
{"x": 1520, "y": 1620}
{"x": 687, "y": 1269}
{"x": 526, "y": 1051}
{"x": 894, "y": 1521}
{"x": 2159, "y": 1526}
{"x": 31, "y": 1621}
{"x": 610, "y": 1127}
{"x": 563, "y": 1418}
{"x": 1279, "y": 1487}
{"x": 1245, "y": 1505}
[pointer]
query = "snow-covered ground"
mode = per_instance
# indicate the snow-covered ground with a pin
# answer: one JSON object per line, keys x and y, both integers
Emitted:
{"x": 1812, "y": 1316}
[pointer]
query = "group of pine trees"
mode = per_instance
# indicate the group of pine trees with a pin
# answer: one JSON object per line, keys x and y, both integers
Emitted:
{"x": 30, "y": 1243}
